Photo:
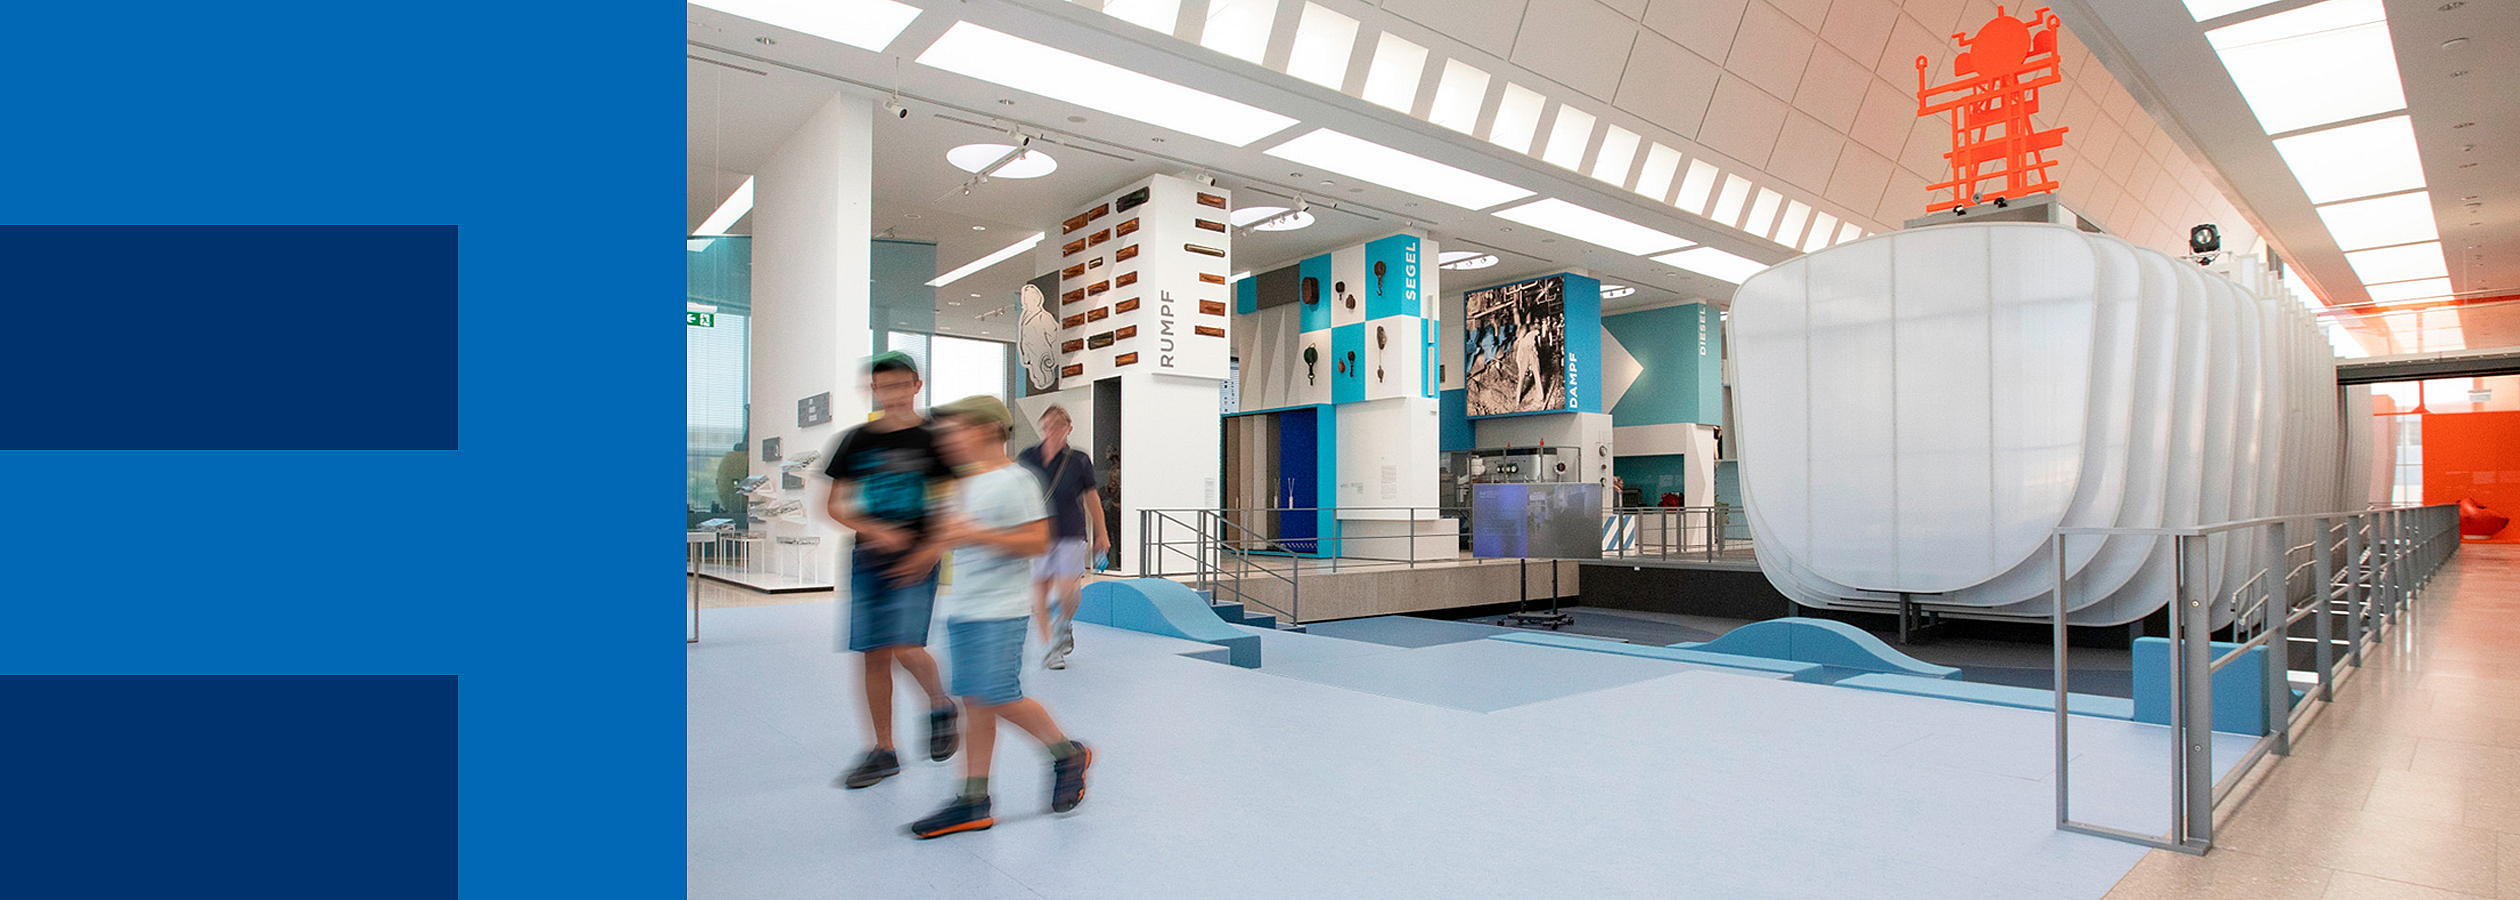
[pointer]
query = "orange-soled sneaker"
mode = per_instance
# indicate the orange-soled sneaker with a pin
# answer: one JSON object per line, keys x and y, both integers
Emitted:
{"x": 1067, "y": 778}
{"x": 961, "y": 814}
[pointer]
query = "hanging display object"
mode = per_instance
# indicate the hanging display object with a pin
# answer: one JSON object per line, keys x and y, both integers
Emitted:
{"x": 1129, "y": 305}
{"x": 1075, "y": 271}
{"x": 1211, "y": 200}
{"x": 1514, "y": 357}
{"x": 1132, "y": 199}
{"x": 1204, "y": 250}
{"x": 1207, "y": 331}
{"x": 1097, "y": 314}
{"x": 2099, "y": 384}
{"x": 1379, "y": 268}
{"x": 1996, "y": 153}
{"x": 1098, "y": 212}
{"x": 1125, "y": 228}
{"x": 1074, "y": 247}
{"x": 1037, "y": 330}
{"x": 1312, "y": 290}
{"x": 1125, "y": 333}
{"x": 1125, "y": 254}
{"x": 1125, "y": 279}
{"x": 1073, "y": 223}
{"x": 1312, "y": 357}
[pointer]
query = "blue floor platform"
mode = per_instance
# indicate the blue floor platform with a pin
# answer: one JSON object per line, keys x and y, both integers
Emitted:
{"x": 1458, "y": 769}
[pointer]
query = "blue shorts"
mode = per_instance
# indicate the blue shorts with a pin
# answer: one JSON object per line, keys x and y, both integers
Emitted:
{"x": 987, "y": 657}
{"x": 883, "y": 613}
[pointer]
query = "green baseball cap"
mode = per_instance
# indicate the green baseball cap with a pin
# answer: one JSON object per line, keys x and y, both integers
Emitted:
{"x": 977, "y": 407}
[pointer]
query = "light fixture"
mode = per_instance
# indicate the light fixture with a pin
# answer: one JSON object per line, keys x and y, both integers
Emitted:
{"x": 1615, "y": 291}
{"x": 1392, "y": 80}
{"x": 1458, "y": 95}
{"x": 1713, "y": 263}
{"x": 1763, "y": 212}
{"x": 736, "y": 205}
{"x": 1239, "y": 28}
{"x": 1323, "y": 42}
{"x": 977, "y": 158}
{"x": 1558, "y": 216}
{"x": 1238, "y": 276}
{"x": 1517, "y": 118}
{"x": 692, "y": 306}
{"x": 1662, "y": 164}
{"x": 1009, "y": 61}
{"x": 2322, "y": 63}
{"x": 1359, "y": 158}
{"x": 1695, "y": 188}
{"x": 2409, "y": 291}
{"x": 1250, "y": 214}
{"x": 1296, "y": 220}
{"x": 1568, "y": 138}
{"x": 2381, "y": 221}
{"x": 1618, "y": 152}
{"x": 1821, "y": 224}
{"x": 864, "y": 24}
{"x": 1158, "y": 15}
{"x": 1728, "y": 203}
{"x": 1466, "y": 260}
{"x": 2405, "y": 263}
{"x": 1847, "y": 232}
{"x": 987, "y": 261}
{"x": 2376, "y": 157}
{"x": 1789, "y": 227}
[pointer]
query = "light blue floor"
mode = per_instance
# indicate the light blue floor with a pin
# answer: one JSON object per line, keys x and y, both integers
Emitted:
{"x": 1212, "y": 781}
{"x": 1405, "y": 631}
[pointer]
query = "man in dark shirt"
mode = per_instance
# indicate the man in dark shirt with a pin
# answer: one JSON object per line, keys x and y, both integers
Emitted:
{"x": 881, "y": 475}
{"x": 1067, "y": 481}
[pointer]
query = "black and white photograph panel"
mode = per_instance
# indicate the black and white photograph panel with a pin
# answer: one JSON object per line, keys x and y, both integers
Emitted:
{"x": 1515, "y": 355}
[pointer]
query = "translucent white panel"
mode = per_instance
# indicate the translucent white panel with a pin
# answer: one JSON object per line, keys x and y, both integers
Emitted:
{"x": 2381, "y": 221}
{"x": 1944, "y": 405}
{"x": 2376, "y": 157}
{"x": 1728, "y": 204}
{"x": 1789, "y": 227}
{"x": 1323, "y": 42}
{"x": 1392, "y": 80}
{"x": 1763, "y": 212}
{"x": 1458, "y": 96}
{"x": 2322, "y": 63}
{"x": 1821, "y": 225}
{"x": 1517, "y": 118}
{"x": 2405, "y": 263}
{"x": 1695, "y": 188}
{"x": 1568, "y": 138}
{"x": 1661, "y": 165}
{"x": 2041, "y": 325}
{"x": 1160, "y": 15}
{"x": 1618, "y": 153}
{"x": 1239, "y": 28}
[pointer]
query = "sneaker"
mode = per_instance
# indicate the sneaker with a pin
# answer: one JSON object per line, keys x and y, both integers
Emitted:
{"x": 1067, "y": 778}
{"x": 943, "y": 735}
{"x": 879, "y": 765}
{"x": 959, "y": 814}
{"x": 1055, "y": 659}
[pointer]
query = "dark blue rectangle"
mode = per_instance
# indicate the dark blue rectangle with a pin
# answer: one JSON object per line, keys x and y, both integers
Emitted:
{"x": 230, "y": 337}
{"x": 267, "y": 786}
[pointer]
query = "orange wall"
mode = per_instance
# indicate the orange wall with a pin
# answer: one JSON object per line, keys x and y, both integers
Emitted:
{"x": 2475, "y": 456}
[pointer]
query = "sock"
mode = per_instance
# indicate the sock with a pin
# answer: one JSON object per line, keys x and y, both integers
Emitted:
{"x": 976, "y": 788}
{"x": 945, "y": 708}
{"x": 1061, "y": 751}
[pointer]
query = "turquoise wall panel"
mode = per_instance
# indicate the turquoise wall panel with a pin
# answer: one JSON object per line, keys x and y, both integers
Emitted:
{"x": 1392, "y": 268}
{"x": 1316, "y": 315}
{"x": 1680, "y": 349}
{"x": 901, "y": 299}
{"x": 1347, "y": 363}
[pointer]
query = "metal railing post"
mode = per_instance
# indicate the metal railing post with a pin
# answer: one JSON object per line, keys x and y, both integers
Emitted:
{"x": 2355, "y": 600}
{"x": 2276, "y": 617}
{"x": 2056, "y": 639}
{"x": 2323, "y": 581}
{"x": 1146, "y": 539}
{"x": 2194, "y": 647}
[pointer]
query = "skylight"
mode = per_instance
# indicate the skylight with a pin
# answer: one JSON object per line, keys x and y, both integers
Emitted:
{"x": 1393, "y": 80}
{"x": 2381, "y": 221}
{"x": 1590, "y": 226}
{"x": 2405, "y": 263}
{"x": 1323, "y": 42}
{"x": 1359, "y": 158}
{"x": 1013, "y": 62}
{"x": 1458, "y": 95}
{"x": 2376, "y": 157}
{"x": 2311, "y": 66}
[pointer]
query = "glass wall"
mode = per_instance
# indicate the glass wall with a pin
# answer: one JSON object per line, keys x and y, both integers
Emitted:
{"x": 717, "y": 353}
{"x": 956, "y": 367}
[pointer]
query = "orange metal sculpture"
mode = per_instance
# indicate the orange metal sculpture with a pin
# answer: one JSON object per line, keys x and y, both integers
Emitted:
{"x": 2000, "y": 75}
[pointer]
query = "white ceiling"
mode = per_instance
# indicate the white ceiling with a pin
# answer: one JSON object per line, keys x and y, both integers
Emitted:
{"x": 2459, "y": 97}
{"x": 745, "y": 96}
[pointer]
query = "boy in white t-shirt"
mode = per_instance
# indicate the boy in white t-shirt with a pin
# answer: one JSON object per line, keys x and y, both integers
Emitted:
{"x": 1000, "y": 525}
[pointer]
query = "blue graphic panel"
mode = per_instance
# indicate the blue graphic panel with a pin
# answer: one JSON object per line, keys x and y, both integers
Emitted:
{"x": 1584, "y": 376}
{"x": 1315, "y": 272}
{"x": 1453, "y": 420}
{"x": 1347, "y": 371}
{"x": 1247, "y": 296}
{"x": 1392, "y": 267}
{"x": 1680, "y": 350}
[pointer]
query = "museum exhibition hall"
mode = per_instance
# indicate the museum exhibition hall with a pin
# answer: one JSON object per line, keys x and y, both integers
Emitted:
{"x": 1605, "y": 448}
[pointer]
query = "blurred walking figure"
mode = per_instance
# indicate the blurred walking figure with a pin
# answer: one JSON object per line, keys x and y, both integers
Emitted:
{"x": 1001, "y": 524}
{"x": 882, "y": 473}
{"x": 1077, "y": 533}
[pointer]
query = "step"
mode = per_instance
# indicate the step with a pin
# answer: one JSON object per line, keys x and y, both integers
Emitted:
{"x": 1259, "y": 621}
{"x": 1230, "y": 612}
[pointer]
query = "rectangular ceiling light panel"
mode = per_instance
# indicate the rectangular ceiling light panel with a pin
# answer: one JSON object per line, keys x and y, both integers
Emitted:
{"x": 1560, "y": 217}
{"x": 2409, "y": 291}
{"x": 2376, "y": 157}
{"x": 1458, "y": 96}
{"x": 1569, "y": 138}
{"x": 2406, "y": 263}
{"x": 1392, "y": 82}
{"x": 1359, "y": 158}
{"x": 736, "y": 205}
{"x": 1847, "y": 232}
{"x": 1695, "y": 188}
{"x": 1713, "y": 263}
{"x": 2306, "y": 67}
{"x": 2381, "y": 221}
{"x": 1821, "y": 225}
{"x": 1517, "y": 118}
{"x": 1661, "y": 165}
{"x": 1239, "y": 28}
{"x": 864, "y": 24}
{"x": 984, "y": 262}
{"x": 1323, "y": 42}
{"x": 1618, "y": 152}
{"x": 1159, "y": 15}
{"x": 1728, "y": 204}
{"x": 1009, "y": 61}
{"x": 1763, "y": 212}
{"x": 1789, "y": 227}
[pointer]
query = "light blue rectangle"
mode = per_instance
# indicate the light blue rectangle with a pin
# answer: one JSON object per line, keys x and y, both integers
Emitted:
{"x": 1316, "y": 302}
{"x": 1392, "y": 269}
{"x": 1347, "y": 362}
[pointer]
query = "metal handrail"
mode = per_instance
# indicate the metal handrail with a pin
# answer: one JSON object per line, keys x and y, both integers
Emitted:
{"x": 2388, "y": 555}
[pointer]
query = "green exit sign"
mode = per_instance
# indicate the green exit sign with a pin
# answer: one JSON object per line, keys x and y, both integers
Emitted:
{"x": 701, "y": 320}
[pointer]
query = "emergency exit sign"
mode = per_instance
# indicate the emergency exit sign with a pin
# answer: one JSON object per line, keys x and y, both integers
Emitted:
{"x": 701, "y": 320}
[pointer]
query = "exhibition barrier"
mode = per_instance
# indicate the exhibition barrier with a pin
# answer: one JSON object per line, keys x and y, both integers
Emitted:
{"x": 2357, "y": 569}
{"x": 1226, "y": 550}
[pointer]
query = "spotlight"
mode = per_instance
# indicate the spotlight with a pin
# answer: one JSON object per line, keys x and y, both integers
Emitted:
{"x": 893, "y": 105}
{"x": 2204, "y": 239}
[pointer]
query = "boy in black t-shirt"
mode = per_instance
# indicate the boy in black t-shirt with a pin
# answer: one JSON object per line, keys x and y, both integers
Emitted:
{"x": 881, "y": 474}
